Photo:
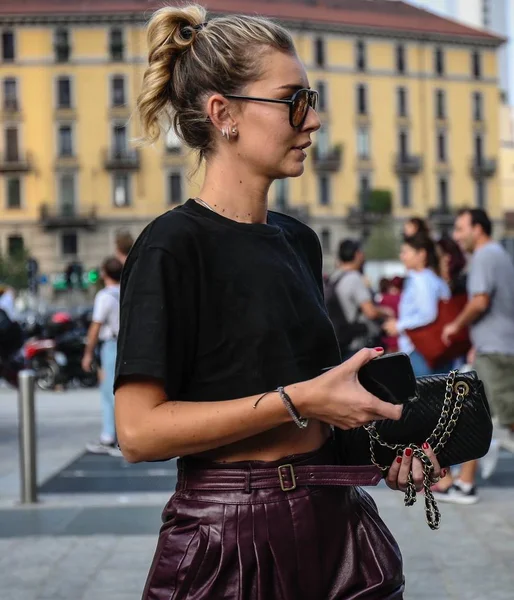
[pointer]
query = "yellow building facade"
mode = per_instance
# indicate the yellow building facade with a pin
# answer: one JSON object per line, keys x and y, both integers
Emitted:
{"x": 415, "y": 115}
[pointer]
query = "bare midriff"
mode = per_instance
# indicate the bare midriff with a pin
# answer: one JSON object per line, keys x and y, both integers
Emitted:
{"x": 273, "y": 444}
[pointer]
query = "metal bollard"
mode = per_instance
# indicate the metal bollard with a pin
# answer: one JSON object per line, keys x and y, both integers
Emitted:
{"x": 27, "y": 436}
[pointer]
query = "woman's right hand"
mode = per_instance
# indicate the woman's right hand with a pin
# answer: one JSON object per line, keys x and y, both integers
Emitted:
{"x": 338, "y": 398}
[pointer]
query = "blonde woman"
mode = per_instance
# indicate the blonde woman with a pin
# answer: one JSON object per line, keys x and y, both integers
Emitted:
{"x": 224, "y": 336}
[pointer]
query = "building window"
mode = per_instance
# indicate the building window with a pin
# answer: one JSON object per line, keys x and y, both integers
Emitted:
{"x": 64, "y": 92}
{"x": 173, "y": 143}
{"x": 403, "y": 144}
{"x": 440, "y": 104}
{"x": 478, "y": 107}
{"x": 476, "y": 64}
{"x": 401, "y": 65}
{"x": 324, "y": 190}
{"x": 175, "y": 188}
{"x": 15, "y": 246}
{"x": 65, "y": 140}
{"x": 69, "y": 244}
{"x": 62, "y": 45}
{"x": 119, "y": 134}
{"x": 362, "y": 103}
{"x": 481, "y": 193}
{"x": 116, "y": 46}
{"x": 13, "y": 192}
{"x": 443, "y": 194}
{"x": 402, "y": 102}
{"x": 121, "y": 190}
{"x": 282, "y": 193}
{"x": 7, "y": 46}
{"x": 12, "y": 149}
{"x": 405, "y": 192}
{"x": 326, "y": 242}
{"x": 363, "y": 150}
{"x": 10, "y": 94}
{"x": 319, "y": 52}
{"x": 118, "y": 91}
{"x": 479, "y": 149}
{"x": 442, "y": 155}
{"x": 321, "y": 86}
{"x": 364, "y": 189}
{"x": 67, "y": 193}
{"x": 439, "y": 61}
{"x": 360, "y": 56}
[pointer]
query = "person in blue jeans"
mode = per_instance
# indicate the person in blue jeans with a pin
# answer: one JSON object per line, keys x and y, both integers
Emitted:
{"x": 104, "y": 328}
{"x": 419, "y": 303}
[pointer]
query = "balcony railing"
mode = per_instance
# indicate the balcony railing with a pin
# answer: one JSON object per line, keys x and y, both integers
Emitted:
{"x": 11, "y": 105}
{"x": 122, "y": 159}
{"x": 408, "y": 164}
{"x": 441, "y": 216}
{"x": 359, "y": 217}
{"x": 12, "y": 162}
{"x": 483, "y": 167}
{"x": 67, "y": 216}
{"x": 328, "y": 161}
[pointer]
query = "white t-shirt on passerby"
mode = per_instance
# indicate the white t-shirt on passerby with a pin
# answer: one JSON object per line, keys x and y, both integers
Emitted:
{"x": 7, "y": 304}
{"x": 106, "y": 311}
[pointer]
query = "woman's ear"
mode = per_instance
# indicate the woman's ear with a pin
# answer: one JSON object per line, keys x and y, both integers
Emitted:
{"x": 218, "y": 112}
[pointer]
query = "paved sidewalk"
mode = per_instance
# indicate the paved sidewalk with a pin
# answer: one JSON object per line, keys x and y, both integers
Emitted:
{"x": 99, "y": 546}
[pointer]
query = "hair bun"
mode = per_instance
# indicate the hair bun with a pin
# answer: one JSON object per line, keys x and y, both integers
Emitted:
{"x": 187, "y": 31}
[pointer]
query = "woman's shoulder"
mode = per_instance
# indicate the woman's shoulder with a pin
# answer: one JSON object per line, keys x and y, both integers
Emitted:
{"x": 293, "y": 227}
{"x": 171, "y": 232}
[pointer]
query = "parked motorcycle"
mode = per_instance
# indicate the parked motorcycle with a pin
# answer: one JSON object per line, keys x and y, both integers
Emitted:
{"x": 56, "y": 356}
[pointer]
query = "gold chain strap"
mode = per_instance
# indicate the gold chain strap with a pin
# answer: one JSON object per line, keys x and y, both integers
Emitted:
{"x": 437, "y": 440}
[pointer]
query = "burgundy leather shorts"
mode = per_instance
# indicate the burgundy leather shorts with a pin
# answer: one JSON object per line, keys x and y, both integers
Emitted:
{"x": 252, "y": 538}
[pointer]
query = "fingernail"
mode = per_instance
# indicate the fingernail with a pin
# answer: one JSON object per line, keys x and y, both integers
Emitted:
{"x": 398, "y": 459}
{"x": 378, "y": 349}
{"x": 408, "y": 451}
{"x": 425, "y": 446}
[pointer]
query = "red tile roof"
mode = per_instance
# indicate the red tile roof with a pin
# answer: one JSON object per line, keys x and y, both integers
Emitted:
{"x": 373, "y": 15}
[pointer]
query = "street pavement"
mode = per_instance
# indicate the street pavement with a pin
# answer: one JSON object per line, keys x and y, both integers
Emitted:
{"x": 93, "y": 532}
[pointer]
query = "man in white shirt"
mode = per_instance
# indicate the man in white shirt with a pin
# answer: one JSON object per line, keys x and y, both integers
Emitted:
{"x": 104, "y": 328}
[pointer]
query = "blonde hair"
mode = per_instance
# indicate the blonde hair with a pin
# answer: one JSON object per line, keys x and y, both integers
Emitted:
{"x": 189, "y": 59}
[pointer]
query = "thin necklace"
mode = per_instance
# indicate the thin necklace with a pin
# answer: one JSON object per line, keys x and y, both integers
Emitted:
{"x": 203, "y": 203}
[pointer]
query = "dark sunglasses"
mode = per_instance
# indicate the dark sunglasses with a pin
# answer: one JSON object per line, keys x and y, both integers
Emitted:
{"x": 299, "y": 104}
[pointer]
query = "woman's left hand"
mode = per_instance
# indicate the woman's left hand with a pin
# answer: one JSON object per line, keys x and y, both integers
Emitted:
{"x": 397, "y": 478}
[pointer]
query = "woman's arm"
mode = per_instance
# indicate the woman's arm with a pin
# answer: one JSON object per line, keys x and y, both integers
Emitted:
{"x": 151, "y": 428}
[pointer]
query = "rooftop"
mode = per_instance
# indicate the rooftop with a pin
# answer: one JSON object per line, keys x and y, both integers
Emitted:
{"x": 372, "y": 16}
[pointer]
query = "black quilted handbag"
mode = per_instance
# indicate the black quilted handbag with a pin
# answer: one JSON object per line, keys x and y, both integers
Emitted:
{"x": 450, "y": 412}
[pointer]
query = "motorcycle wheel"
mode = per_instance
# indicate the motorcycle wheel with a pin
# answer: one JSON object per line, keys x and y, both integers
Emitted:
{"x": 46, "y": 375}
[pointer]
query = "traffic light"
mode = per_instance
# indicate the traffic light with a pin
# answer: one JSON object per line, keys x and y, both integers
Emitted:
{"x": 93, "y": 276}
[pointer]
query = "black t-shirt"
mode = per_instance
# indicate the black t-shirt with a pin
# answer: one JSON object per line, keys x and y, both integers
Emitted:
{"x": 218, "y": 309}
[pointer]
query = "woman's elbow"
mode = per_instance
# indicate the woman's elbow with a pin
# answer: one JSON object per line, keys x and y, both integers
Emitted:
{"x": 131, "y": 446}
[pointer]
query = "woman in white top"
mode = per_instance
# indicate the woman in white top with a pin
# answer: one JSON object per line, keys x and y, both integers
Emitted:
{"x": 419, "y": 304}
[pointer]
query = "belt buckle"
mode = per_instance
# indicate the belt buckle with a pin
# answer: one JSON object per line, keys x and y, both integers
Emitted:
{"x": 281, "y": 475}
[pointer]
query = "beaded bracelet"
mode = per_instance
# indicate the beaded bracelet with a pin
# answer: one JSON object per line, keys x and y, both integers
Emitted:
{"x": 301, "y": 422}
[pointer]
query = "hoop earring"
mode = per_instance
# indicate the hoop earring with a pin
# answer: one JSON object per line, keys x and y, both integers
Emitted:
{"x": 234, "y": 130}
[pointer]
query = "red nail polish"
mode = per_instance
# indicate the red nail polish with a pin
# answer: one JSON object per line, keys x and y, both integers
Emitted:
{"x": 399, "y": 459}
{"x": 425, "y": 446}
{"x": 378, "y": 349}
{"x": 408, "y": 452}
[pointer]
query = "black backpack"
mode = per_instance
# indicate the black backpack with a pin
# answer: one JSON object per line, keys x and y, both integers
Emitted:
{"x": 11, "y": 335}
{"x": 345, "y": 331}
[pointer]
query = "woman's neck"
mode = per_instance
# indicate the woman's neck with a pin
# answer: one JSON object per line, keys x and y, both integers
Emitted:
{"x": 235, "y": 193}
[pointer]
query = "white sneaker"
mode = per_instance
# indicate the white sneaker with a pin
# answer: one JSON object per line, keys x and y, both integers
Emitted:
{"x": 455, "y": 495}
{"x": 103, "y": 448}
{"x": 489, "y": 462}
